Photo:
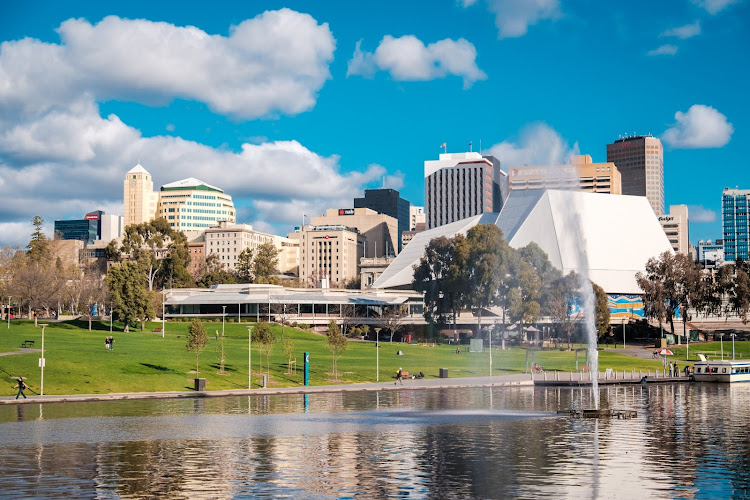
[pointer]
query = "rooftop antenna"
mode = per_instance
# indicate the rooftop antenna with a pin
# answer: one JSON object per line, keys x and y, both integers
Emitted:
{"x": 470, "y": 147}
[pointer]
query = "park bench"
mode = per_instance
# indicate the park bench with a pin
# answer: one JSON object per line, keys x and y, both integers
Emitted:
{"x": 27, "y": 343}
{"x": 157, "y": 329}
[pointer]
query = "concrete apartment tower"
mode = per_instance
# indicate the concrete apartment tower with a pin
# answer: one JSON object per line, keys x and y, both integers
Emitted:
{"x": 461, "y": 185}
{"x": 640, "y": 160}
{"x": 139, "y": 197}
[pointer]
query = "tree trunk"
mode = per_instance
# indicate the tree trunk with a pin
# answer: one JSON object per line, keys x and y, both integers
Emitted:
{"x": 196, "y": 363}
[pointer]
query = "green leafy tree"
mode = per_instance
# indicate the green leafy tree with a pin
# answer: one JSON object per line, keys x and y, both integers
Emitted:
{"x": 524, "y": 292}
{"x": 287, "y": 348}
{"x": 215, "y": 274}
{"x": 561, "y": 300}
{"x": 244, "y": 266}
{"x": 601, "y": 313}
{"x": 266, "y": 264}
{"x": 661, "y": 287}
{"x": 337, "y": 344}
{"x": 740, "y": 293}
{"x": 131, "y": 299}
{"x": 160, "y": 250}
{"x": 263, "y": 337}
{"x": 197, "y": 340}
{"x": 39, "y": 248}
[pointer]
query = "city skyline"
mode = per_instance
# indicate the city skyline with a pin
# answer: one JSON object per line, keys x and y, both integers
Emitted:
{"x": 293, "y": 108}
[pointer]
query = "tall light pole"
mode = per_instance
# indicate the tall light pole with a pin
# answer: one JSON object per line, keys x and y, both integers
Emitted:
{"x": 163, "y": 297}
{"x": 41, "y": 363}
{"x": 377, "y": 354}
{"x": 721, "y": 340}
{"x": 8, "y": 311}
{"x": 111, "y": 315}
{"x": 733, "y": 335}
{"x": 249, "y": 357}
{"x": 223, "y": 315}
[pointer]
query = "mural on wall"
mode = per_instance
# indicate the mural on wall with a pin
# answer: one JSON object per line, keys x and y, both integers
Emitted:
{"x": 625, "y": 306}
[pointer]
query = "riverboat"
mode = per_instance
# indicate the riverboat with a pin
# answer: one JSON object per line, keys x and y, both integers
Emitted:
{"x": 722, "y": 371}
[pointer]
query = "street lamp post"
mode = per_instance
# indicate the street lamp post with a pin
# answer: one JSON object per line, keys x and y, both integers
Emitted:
{"x": 8, "y": 311}
{"x": 733, "y": 335}
{"x": 377, "y": 354}
{"x": 492, "y": 329}
{"x": 223, "y": 315}
{"x": 249, "y": 357}
{"x": 41, "y": 363}
{"x": 721, "y": 340}
{"x": 111, "y": 315}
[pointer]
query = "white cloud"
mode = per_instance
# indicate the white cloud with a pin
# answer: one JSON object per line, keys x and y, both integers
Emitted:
{"x": 697, "y": 213}
{"x": 683, "y": 32}
{"x": 700, "y": 127}
{"x": 538, "y": 145}
{"x": 714, "y": 6}
{"x": 513, "y": 17}
{"x": 407, "y": 58}
{"x": 273, "y": 63}
{"x": 665, "y": 50}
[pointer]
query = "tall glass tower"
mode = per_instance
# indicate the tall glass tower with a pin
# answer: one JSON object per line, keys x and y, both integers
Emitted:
{"x": 734, "y": 223}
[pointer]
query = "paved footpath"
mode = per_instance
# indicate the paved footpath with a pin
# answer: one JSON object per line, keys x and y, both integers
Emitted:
{"x": 517, "y": 380}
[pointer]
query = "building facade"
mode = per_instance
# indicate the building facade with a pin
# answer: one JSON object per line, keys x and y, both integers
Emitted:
{"x": 379, "y": 230}
{"x": 191, "y": 204}
{"x": 710, "y": 254}
{"x": 675, "y": 225}
{"x": 416, "y": 216}
{"x": 87, "y": 229}
{"x": 734, "y": 223}
{"x": 580, "y": 174}
{"x": 640, "y": 160}
{"x": 330, "y": 251}
{"x": 139, "y": 198}
{"x": 461, "y": 185}
{"x": 228, "y": 241}
{"x": 388, "y": 202}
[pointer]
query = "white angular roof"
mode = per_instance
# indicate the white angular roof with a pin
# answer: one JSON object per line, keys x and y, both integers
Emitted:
{"x": 188, "y": 183}
{"x": 617, "y": 233}
{"x": 138, "y": 169}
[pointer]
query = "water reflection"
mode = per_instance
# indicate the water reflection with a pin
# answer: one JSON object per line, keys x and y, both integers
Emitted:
{"x": 688, "y": 441}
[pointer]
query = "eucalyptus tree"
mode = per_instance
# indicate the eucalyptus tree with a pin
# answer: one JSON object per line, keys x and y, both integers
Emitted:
{"x": 131, "y": 299}
{"x": 659, "y": 283}
{"x": 266, "y": 264}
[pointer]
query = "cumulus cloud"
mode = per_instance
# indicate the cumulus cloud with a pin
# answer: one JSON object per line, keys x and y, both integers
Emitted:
{"x": 714, "y": 6}
{"x": 407, "y": 58}
{"x": 538, "y": 145}
{"x": 665, "y": 50}
{"x": 60, "y": 158}
{"x": 700, "y": 127}
{"x": 697, "y": 213}
{"x": 683, "y": 32}
{"x": 513, "y": 17}
{"x": 273, "y": 63}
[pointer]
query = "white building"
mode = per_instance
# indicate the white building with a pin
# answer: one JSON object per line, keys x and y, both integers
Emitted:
{"x": 675, "y": 225}
{"x": 461, "y": 185}
{"x": 191, "y": 204}
{"x": 139, "y": 198}
{"x": 616, "y": 246}
{"x": 416, "y": 216}
{"x": 229, "y": 240}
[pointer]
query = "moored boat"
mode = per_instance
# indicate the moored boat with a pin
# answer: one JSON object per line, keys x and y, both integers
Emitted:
{"x": 722, "y": 371}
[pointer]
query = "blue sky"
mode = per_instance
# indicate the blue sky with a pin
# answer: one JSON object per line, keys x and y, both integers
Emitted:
{"x": 296, "y": 107}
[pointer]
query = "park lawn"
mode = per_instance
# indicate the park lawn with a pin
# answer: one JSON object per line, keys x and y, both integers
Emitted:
{"x": 78, "y": 363}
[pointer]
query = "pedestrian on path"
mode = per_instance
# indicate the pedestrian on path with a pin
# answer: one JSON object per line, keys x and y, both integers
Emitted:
{"x": 21, "y": 386}
{"x": 399, "y": 377}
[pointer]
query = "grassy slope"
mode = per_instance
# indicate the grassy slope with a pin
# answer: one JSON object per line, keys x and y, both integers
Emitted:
{"x": 78, "y": 363}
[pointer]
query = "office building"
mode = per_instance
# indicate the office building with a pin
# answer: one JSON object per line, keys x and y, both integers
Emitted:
{"x": 93, "y": 227}
{"x": 139, "y": 198}
{"x": 229, "y": 240}
{"x": 379, "y": 230}
{"x": 416, "y": 216}
{"x": 734, "y": 223}
{"x": 330, "y": 251}
{"x": 407, "y": 236}
{"x": 675, "y": 225}
{"x": 581, "y": 174}
{"x": 110, "y": 227}
{"x": 191, "y": 204}
{"x": 461, "y": 185}
{"x": 388, "y": 202}
{"x": 640, "y": 160}
{"x": 710, "y": 254}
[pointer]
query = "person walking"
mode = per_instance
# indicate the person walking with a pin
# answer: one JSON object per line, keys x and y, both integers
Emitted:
{"x": 399, "y": 377}
{"x": 21, "y": 386}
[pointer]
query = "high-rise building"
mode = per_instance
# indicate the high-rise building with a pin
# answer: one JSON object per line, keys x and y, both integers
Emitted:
{"x": 580, "y": 174}
{"x": 675, "y": 225}
{"x": 735, "y": 225}
{"x": 416, "y": 216}
{"x": 139, "y": 197}
{"x": 330, "y": 251}
{"x": 228, "y": 240}
{"x": 379, "y": 230}
{"x": 640, "y": 160}
{"x": 193, "y": 205}
{"x": 388, "y": 202}
{"x": 461, "y": 185}
{"x": 88, "y": 229}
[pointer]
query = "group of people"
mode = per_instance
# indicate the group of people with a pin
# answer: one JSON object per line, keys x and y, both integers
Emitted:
{"x": 109, "y": 343}
{"x": 674, "y": 370}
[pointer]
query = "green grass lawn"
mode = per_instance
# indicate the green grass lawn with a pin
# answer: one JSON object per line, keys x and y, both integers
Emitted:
{"x": 78, "y": 363}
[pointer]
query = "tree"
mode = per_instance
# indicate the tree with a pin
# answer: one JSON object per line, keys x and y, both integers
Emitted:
{"x": 740, "y": 295}
{"x": 244, "y": 266}
{"x": 112, "y": 251}
{"x": 601, "y": 313}
{"x": 337, "y": 344}
{"x": 266, "y": 264}
{"x": 392, "y": 320}
{"x": 561, "y": 300}
{"x": 438, "y": 276}
{"x": 288, "y": 350}
{"x": 215, "y": 274}
{"x": 523, "y": 292}
{"x": 197, "y": 340}
{"x": 661, "y": 297}
{"x": 131, "y": 300}
{"x": 39, "y": 245}
{"x": 161, "y": 252}
{"x": 262, "y": 335}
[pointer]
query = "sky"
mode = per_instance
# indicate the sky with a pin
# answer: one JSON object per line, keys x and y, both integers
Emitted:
{"x": 296, "y": 107}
